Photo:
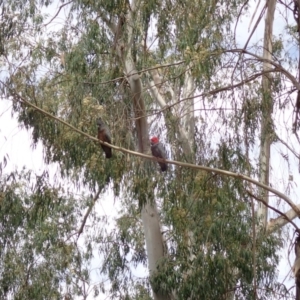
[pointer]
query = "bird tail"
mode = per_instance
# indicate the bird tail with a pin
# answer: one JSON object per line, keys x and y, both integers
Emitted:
{"x": 163, "y": 166}
{"x": 108, "y": 154}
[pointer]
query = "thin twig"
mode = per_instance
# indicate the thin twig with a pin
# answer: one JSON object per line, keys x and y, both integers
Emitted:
{"x": 250, "y": 36}
{"x": 285, "y": 144}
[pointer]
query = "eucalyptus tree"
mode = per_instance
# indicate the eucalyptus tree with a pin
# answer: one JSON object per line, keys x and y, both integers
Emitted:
{"x": 170, "y": 69}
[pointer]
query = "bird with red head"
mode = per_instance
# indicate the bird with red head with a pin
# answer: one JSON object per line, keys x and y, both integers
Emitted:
{"x": 158, "y": 150}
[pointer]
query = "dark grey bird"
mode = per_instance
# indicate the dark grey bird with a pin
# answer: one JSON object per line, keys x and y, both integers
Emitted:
{"x": 104, "y": 136}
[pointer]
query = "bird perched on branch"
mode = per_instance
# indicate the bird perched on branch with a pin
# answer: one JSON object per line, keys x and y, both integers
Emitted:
{"x": 104, "y": 136}
{"x": 158, "y": 150}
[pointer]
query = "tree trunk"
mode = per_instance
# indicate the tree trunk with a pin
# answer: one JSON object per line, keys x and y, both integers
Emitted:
{"x": 188, "y": 112}
{"x": 150, "y": 216}
{"x": 267, "y": 109}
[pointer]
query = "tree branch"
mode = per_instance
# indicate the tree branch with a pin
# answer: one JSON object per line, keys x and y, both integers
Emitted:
{"x": 276, "y": 223}
{"x": 283, "y": 220}
{"x": 251, "y": 34}
{"x": 274, "y": 64}
{"x": 88, "y": 213}
{"x": 219, "y": 90}
{"x": 173, "y": 162}
{"x": 290, "y": 148}
{"x": 65, "y": 4}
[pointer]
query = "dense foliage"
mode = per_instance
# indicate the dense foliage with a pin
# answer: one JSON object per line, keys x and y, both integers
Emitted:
{"x": 202, "y": 96}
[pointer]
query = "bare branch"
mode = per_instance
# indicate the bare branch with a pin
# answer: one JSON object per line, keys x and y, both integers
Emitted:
{"x": 156, "y": 95}
{"x": 277, "y": 223}
{"x": 88, "y": 213}
{"x": 279, "y": 67}
{"x": 285, "y": 144}
{"x": 283, "y": 220}
{"x": 252, "y": 32}
{"x": 65, "y": 4}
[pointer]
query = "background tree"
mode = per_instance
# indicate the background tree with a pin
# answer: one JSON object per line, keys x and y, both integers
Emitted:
{"x": 149, "y": 68}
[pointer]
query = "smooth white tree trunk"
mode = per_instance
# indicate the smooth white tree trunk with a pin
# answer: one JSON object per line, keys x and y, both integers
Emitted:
{"x": 266, "y": 121}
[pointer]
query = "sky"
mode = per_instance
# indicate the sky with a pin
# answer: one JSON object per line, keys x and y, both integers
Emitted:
{"x": 16, "y": 144}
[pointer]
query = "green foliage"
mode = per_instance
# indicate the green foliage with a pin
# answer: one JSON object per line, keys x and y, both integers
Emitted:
{"x": 211, "y": 240}
{"x": 36, "y": 253}
{"x": 75, "y": 73}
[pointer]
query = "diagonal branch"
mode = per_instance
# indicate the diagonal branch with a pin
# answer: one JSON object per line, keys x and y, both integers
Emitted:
{"x": 274, "y": 64}
{"x": 218, "y": 90}
{"x": 273, "y": 223}
{"x": 251, "y": 34}
{"x": 88, "y": 213}
{"x": 65, "y": 4}
{"x": 173, "y": 162}
{"x": 287, "y": 145}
